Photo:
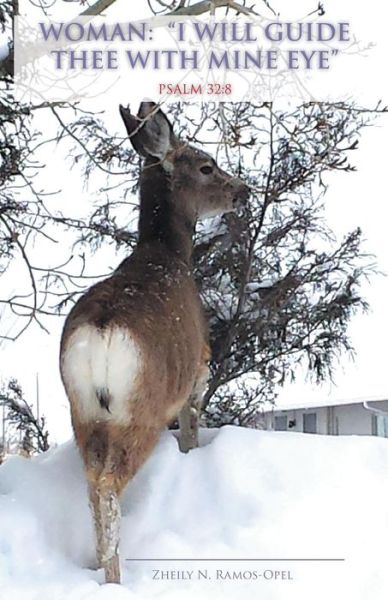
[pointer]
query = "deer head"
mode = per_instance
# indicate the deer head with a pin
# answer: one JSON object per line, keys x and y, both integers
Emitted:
{"x": 198, "y": 187}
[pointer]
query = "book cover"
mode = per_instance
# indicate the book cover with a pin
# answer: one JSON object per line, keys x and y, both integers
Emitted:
{"x": 192, "y": 301}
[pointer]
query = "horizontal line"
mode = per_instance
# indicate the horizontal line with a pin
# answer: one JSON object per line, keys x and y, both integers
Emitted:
{"x": 236, "y": 559}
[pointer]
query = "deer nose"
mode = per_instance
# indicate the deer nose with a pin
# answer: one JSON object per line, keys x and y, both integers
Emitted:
{"x": 241, "y": 195}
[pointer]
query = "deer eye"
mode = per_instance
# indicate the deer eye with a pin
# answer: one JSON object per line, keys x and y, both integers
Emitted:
{"x": 206, "y": 169}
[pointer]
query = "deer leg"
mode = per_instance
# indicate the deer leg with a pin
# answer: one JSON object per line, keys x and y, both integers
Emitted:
{"x": 188, "y": 430}
{"x": 113, "y": 454}
{"x": 190, "y": 414}
{"x": 96, "y": 446}
{"x": 106, "y": 515}
{"x": 94, "y": 505}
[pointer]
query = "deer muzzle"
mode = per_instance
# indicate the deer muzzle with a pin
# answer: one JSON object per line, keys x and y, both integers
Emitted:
{"x": 241, "y": 194}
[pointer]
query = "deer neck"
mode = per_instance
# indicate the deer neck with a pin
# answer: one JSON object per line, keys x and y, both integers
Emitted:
{"x": 159, "y": 220}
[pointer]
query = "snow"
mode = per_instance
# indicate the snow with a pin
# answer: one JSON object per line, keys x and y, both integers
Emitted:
{"x": 243, "y": 494}
{"x": 4, "y": 50}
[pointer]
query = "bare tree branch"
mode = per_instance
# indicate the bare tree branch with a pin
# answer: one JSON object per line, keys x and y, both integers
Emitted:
{"x": 206, "y": 6}
{"x": 21, "y": 415}
{"x": 97, "y": 8}
{"x": 6, "y": 63}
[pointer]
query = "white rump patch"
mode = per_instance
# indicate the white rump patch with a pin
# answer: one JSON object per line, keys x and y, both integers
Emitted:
{"x": 96, "y": 360}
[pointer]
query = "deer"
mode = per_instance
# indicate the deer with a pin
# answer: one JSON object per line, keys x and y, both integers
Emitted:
{"x": 134, "y": 350}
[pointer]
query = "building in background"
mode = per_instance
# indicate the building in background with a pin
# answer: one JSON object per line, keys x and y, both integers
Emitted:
{"x": 352, "y": 417}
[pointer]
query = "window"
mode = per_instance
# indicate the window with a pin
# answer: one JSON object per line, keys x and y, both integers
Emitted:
{"x": 381, "y": 426}
{"x": 281, "y": 423}
{"x": 310, "y": 423}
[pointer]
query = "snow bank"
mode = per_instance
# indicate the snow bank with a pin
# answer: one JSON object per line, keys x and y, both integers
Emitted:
{"x": 245, "y": 494}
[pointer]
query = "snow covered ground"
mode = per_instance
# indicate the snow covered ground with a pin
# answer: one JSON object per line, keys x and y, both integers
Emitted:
{"x": 244, "y": 494}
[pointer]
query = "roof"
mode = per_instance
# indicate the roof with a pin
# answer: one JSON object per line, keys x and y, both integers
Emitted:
{"x": 325, "y": 403}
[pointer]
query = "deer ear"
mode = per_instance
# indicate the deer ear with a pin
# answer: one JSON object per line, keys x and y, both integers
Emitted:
{"x": 150, "y": 131}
